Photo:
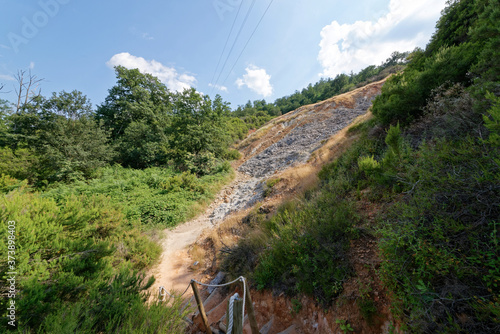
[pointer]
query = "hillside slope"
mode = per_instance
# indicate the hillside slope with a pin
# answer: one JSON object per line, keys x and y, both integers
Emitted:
{"x": 291, "y": 148}
{"x": 290, "y": 139}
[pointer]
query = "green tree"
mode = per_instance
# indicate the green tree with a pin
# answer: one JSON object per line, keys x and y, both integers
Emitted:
{"x": 135, "y": 97}
{"x": 74, "y": 149}
{"x": 73, "y": 105}
{"x": 198, "y": 127}
{"x": 142, "y": 145}
{"x": 453, "y": 26}
{"x": 138, "y": 112}
{"x": 5, "y": 110}
{"x": 64, "y": 135}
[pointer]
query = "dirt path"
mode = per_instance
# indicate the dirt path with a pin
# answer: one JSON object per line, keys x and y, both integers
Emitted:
{"x": 285, "y": 142}
{"x": 174, "y": 269}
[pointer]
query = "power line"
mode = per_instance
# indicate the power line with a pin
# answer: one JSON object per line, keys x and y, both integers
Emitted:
{"x": 248, "y": 41}
{"x": 235, "y": 40}
{"x": 225, "y": 45}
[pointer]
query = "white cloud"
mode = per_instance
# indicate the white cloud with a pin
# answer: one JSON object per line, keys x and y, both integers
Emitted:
{"x": 257, "y": 80}
{"x": 7, "y": 77}
{"x": 32, "y": 65}
{"x": 351, "y": 47}
{"x": 218, "y": 87}
{"x": 147, "y": 36}
{"x": 168, "y": 75}
{"x": 144, "y": 35}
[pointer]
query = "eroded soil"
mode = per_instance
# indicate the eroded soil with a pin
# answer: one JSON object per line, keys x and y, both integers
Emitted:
{"x": 291, "y": 148}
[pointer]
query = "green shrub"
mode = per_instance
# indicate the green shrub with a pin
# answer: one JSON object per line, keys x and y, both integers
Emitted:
{"x": 20, "y": 163}
{"x": 200, "y": 164}
{"x": 65, "y": 251}
{"x": 269, "y": 186}
{"x": 368, "y": 164}
{"x": 405, "y": 95}
{"x": 492, "y": 120}
{"x": 183, "y": 181}
{"x": 242, "y": 259}
{"x": 8, "y": 183}
{"x": 156, "y": 197}
{"x": 308, "y": 250}
{"x": 117, "y": 306}
{"x": 232, "y": 155}
{"x": 440, "y": 244}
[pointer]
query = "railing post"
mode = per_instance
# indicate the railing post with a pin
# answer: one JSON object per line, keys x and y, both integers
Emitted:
{"x": 200, "y": 307}
{"x": 251, "y": 313}
{"x": 237, "y": 319}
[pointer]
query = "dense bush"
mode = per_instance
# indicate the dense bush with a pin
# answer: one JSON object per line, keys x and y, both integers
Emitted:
{"x": 20, "y": 163}
{"x": 74, "y": 260}
{"x": 405, "y": 95}
{"x": 464, "y": 50}
{"x": 308, "y": 250}
{"x": 440, "y": 243}
{"x": 153, "y": 197}
{"x": 56, "y": 139}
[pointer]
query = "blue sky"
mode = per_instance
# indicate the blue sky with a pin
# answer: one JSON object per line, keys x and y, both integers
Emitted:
{"x": 75, "y": 44}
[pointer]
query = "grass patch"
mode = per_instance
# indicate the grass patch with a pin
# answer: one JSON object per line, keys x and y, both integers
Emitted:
{"x": 153, "y": 197}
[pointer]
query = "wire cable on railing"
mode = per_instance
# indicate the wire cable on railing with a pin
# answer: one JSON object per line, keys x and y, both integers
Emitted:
{"x": 168, "y": 293}
{"x": 241, "y": 278}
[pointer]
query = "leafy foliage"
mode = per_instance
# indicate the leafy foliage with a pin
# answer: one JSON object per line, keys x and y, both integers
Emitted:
{"x": 65, "y": 143}
{"x": 444, "y": 236}
{"x": 404, "y": 95}
{"x": 154, "y": 197}
{"x": 464, "y": 50}
{"x": 492, "y": 120}
{"x": 308, "y": 250}
{"x": 73, "y": 257}
{"x": 197, "y": 131}
{"x": 135, "y": 97}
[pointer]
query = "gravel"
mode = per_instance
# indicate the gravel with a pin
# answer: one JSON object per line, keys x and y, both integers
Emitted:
{"x": 309, "y": 132}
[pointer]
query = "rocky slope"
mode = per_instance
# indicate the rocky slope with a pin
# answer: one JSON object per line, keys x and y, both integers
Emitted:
{"x": 299, "y": 140}
{"x": 290, "y": 140}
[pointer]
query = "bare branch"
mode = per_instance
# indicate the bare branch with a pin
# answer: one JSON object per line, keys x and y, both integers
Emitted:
{"x": 20, "y": 79}
{"x": 33, "y": 82}
{"x": 27, "y": 87}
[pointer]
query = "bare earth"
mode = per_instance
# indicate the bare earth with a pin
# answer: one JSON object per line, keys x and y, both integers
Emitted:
{"x": 285, "y": 144}
{"x": 174, "y": 271}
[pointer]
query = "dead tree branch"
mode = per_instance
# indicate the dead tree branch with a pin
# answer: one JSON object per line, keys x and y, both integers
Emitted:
{"x": 27, "y": 87}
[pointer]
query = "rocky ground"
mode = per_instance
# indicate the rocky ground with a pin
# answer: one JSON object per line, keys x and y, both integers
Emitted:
{"x": 289, "y": 141}
{"x": 309, "y": 130}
